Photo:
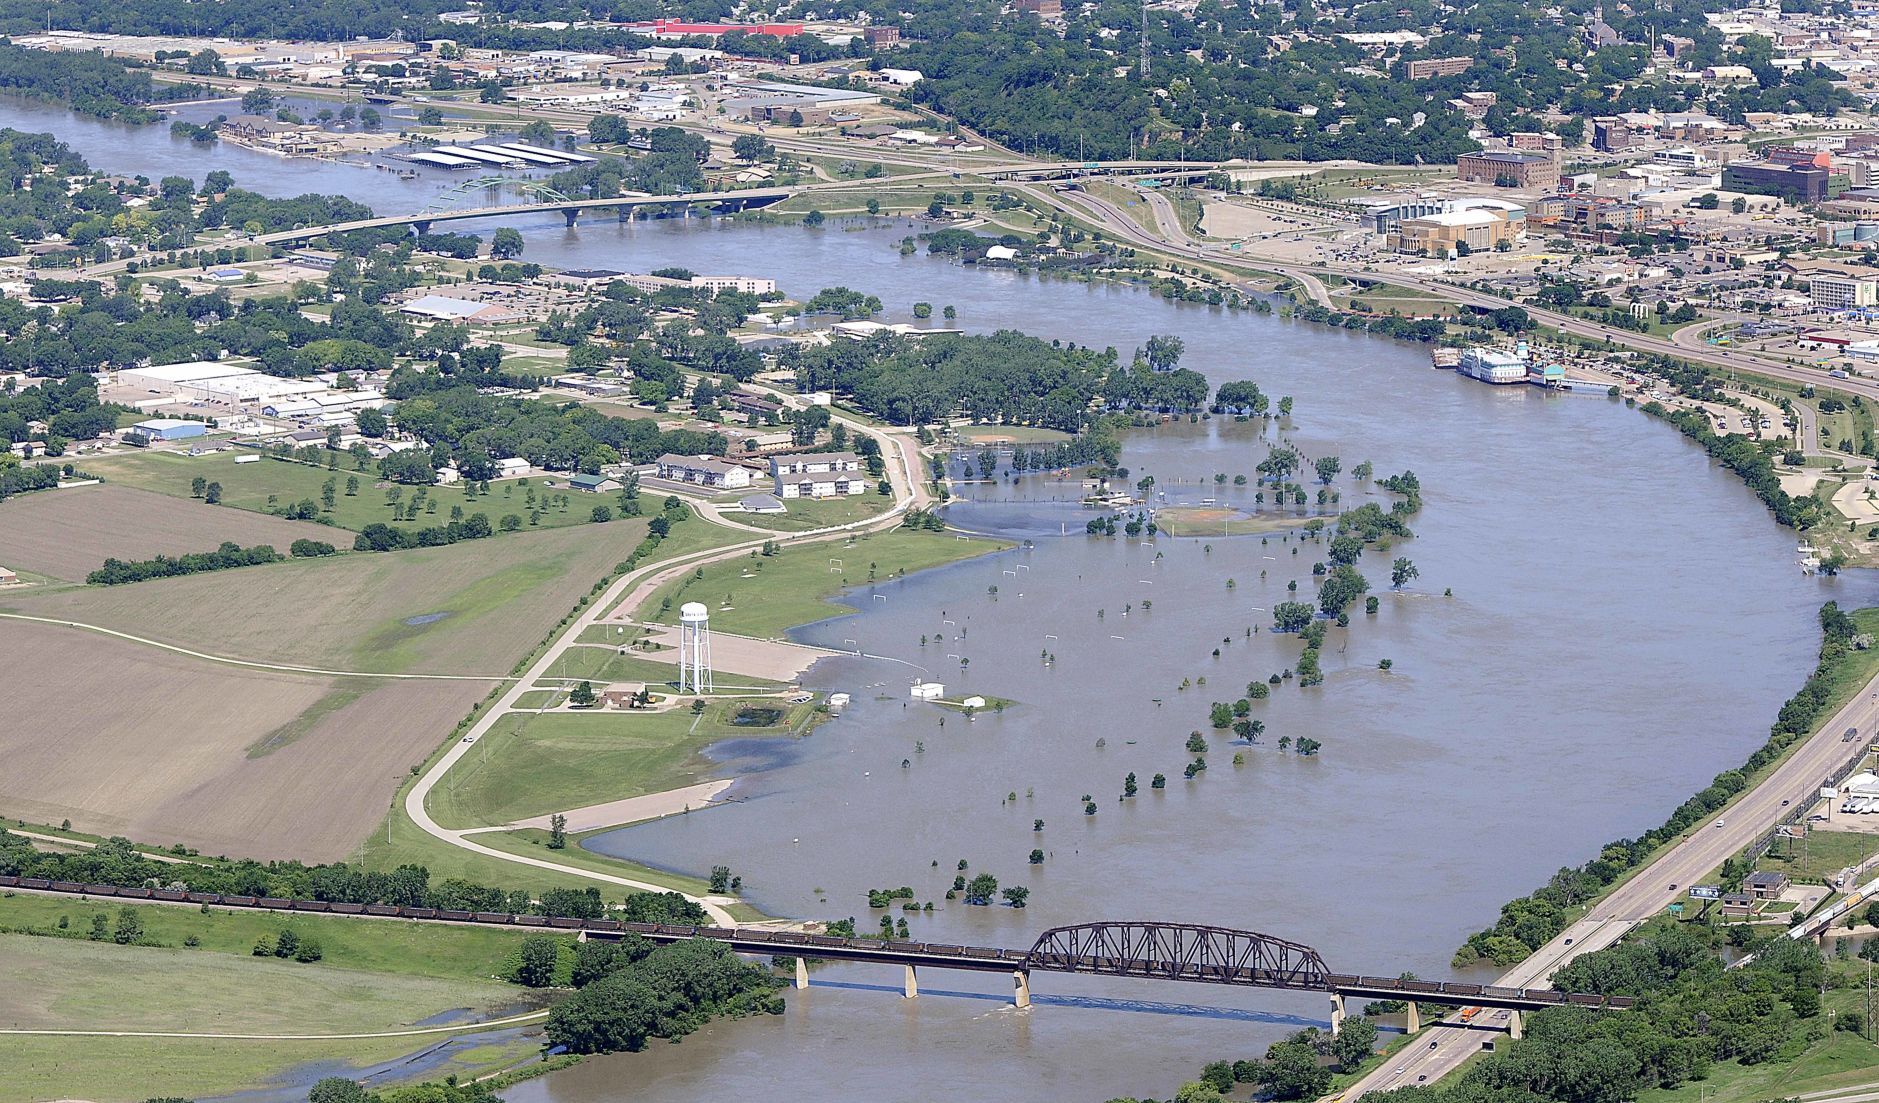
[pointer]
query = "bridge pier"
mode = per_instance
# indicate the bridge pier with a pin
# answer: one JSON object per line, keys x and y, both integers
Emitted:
{"x": 910, "y": 986}
{"x": 571, "y": 214}
{"x": 421, "y": 227}
{"x": 1513, "y": 1025}
{"x": 1413, "y": 1022}
{"x": 1337, "y": 1014}
{"x": 802, "y": 973}
{"x": 1021, "y": 988}
{"x": 625, "y": 213}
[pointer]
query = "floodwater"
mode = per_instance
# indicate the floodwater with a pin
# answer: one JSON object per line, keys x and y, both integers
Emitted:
{"x": 153, "y": 152}
{"x": 1625, "y": 622}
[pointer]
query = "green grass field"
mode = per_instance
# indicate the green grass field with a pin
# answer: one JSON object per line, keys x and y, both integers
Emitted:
{"x": 531, "y": 765}
{"x": 435, "y": 950}
{"x": 102, "y": 986}
{"x": 1821, "y": 855}
{"x": 793, "y": 587}
{"x": 250, "y": 485}
{"x": 805, "y": 514}
{"x": 398, "y": 841}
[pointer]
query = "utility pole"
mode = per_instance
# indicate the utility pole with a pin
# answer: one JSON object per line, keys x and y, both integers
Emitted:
{"x": 1144, "y": 41}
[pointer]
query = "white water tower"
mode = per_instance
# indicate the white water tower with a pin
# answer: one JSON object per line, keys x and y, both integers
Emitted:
{"x": 694, "y": 648}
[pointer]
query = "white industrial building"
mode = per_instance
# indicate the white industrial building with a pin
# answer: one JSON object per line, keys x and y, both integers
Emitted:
{"x": 215, "y": 383}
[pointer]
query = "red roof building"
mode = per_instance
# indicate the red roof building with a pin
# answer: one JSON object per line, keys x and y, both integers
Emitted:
{"x": 675, "y": 28}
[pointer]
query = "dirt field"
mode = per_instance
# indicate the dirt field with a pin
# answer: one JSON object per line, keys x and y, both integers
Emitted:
{"x": 378, "y": 612}
{"x": 69, "y": 533}
{"x": 126, "y": 739}
{"x": 130, "y": 739}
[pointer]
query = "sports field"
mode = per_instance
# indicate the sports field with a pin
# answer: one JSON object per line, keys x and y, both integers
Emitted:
{"x": 68, "y": 533}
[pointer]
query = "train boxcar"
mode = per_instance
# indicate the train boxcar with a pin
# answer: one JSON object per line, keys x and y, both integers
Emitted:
{"x": 175, "y": 896}
{"x": 793, "y": 938}
{"x": 418, "y": 913}
{"x": 35, "y": 883}
{"x": 1457, "y": 988}
{"x": 493, "y": 917}
{"x": 239, "y": 901}
{"x": 826, "y": 940}
{"x": 1503, "y": 993}
{"x": 455, "y": 916}
{"x": 531, "y": 921}
{"x": 383, "y": 909}
{"x": 1416, "y": 986}
{"x": 606, "y": 925}
{"x": 349, "y": 909}
{"x": 563, "y": 923}
{"x": 1586, "y": 999}
{"x": 7, "y": 880}
{"x": 981, "y": 952}
{"x": 311, "y": 905}
{"x": 277, "y": 902}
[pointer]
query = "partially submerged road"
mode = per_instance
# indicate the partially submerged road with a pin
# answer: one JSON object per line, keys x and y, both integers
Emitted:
{"x": 635, "y": 587}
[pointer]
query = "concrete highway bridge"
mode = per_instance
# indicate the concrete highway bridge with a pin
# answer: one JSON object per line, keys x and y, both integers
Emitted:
{"x": 1141, "y": 950}
{"x": 624, "y": 206}
{"x": 570, "y": 209}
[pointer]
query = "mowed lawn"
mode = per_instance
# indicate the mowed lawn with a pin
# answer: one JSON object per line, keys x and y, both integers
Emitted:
{"x": 82, "y": 985}
{"x": 533, "y": 765}
{"x": 249, "y": 486}
{"x": 69, "y": 533}
{"x": 769, "y": 595}
{"x": 804, "y": 514}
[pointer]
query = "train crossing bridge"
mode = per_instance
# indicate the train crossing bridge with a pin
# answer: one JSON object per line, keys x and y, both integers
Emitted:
{"x": 1143, "y": 950}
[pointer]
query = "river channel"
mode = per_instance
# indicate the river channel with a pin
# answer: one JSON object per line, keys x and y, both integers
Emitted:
{"x": 1625, "y": 622}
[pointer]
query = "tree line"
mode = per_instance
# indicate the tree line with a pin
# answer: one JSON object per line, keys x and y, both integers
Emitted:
{"x": 118, "y": 572}
{"x": 116, "y": 861}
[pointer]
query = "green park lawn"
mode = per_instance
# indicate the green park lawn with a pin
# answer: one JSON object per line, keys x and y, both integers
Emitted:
{"x": 771, "y": 594}
{"x": 531, "y": 765}
{"x": 250, "y": 485}
{"x": 81, "y": 985}
{"x": 804, "y": 515}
